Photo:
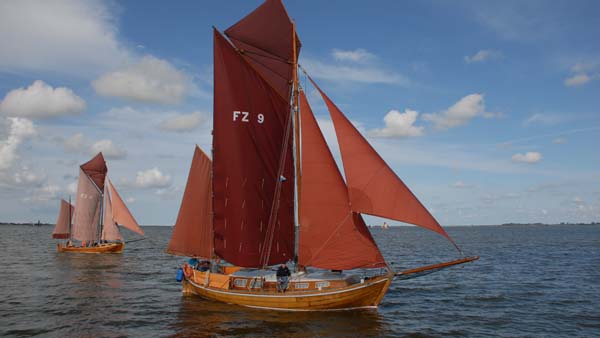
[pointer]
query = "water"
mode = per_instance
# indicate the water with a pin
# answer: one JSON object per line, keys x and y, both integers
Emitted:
{"x": 530, "y": 281}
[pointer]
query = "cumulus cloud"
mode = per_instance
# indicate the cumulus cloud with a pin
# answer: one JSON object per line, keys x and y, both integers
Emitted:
{"x": 483, "y": 55}
{"x": 71, "y": 36}
{"x": 75, "y": 143}
{"x": 577, "y": 80}
{"x": 399, "y": 124}
{"x": 152, "y": 178}
{"x": 528, "y": 157}
{"x": 108, "y": 149}
{"x": 18, "y": 130}
{"x": 148, "y": 80}
{"x": 182, "y": 122}
{"x": 460, "y": 113}
{"x": 582, "y": 73}
{"x": 357, "y": 55}
{"x": 41, "y": 101}
{"x": 26, "y": 176}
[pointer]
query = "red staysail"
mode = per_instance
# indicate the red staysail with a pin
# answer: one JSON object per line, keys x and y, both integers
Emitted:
{"x": 110, "y": 231}
{"x": 372, "y": 185}
{"x": 87, "y": 214}
{"x": 65, "y": 214}
{"x": 331, "y": 235}
{"x": 121, "y": 213}
{"x": 193, "y": 232}
{"x": 250, "y": 120}
{"x": 264, "y": 37}
{"x": 96, "y": 169}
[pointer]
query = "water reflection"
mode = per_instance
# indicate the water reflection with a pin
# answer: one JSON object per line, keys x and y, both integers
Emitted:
{"x": 199, "y": 318}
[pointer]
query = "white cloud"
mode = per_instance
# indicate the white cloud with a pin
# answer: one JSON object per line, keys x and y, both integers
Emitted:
{"x": 364, "y": 72}
{"x": 152, "y": 178}
{"x": 41, "y": 101}
{"x": 399, "y": 124}
{"x": 148, "y": 80}
{"x": 460, "y": 113}
{"x": 559, "y": 140}
{"x": 545, "y": 119}
{"x": 577, "y": 80}
{"x": 182, "y": 122}
{"x": 529, "y": 157}
{"x": 357, "y": 55}
{"x": 483, "y": 55}
{"x": 76, "y": 143}
{"x": 461, "y": 185}
{"x": 130, "y": 200}
{"x": 19, "y": 130}
{"x": 27, "y": 177}
{"x": 76, "y": 37}
{"x": 108, "y": 149}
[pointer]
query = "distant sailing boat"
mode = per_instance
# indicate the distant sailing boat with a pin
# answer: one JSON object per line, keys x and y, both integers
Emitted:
{"x": 240, "y": 206}
{"x": 99, "y": 209}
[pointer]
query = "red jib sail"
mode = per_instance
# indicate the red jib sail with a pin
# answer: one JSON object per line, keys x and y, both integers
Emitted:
{"x": 250, "y": 120}
{"x": 121, "y": 214}
{"x": 96, "y": 170}
{"x": 110, "y": 231}
{"x": 331, "y": 236}
{"x": 193, "y": 232}
{"x": 65, "y": 214}
{"x": 373, "y": 186}
{"x": 264, "y": 38}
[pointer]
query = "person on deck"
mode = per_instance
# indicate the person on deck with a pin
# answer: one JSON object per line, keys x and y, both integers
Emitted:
{"x": 283, "y": 274}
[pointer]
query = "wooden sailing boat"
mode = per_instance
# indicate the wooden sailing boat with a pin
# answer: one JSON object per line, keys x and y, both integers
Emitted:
{"x": 99, "y": 209}
{"x": 240, "y": 207}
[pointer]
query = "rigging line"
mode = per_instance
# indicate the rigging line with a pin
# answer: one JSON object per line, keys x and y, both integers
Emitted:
{"x": 275, "y": 57}
{"x": 276, "y": 200}
{"x": 264, "y": 65}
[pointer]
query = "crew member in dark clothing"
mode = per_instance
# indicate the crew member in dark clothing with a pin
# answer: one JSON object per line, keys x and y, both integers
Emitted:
{"x": 283, "y": 274}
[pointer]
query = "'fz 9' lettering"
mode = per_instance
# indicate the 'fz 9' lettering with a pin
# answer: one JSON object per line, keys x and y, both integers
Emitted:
{"x": 244, "y": 116}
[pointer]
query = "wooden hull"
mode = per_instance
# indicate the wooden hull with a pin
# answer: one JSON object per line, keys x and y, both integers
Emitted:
{"x": 361, "y": 295}
{"x": 103, "y": 248}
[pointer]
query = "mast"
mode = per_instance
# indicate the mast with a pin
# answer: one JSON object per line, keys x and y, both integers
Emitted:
{"x": 70, "y": 205}
{"x": 295, "y": 90}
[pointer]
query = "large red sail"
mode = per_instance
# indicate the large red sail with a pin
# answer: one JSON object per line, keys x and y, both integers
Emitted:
{"x": 65, "y": 215}
{"x": 87, "y": 213}
{"x": 373, "y": 186}
{"x": 331, "y": 235}
{"x": 193, "y": 232}
{"x": 121, "y": 214}
{"x": 264, "y": 38}
{"x": 96, "y": 169}
{"x": 250, "y": 120}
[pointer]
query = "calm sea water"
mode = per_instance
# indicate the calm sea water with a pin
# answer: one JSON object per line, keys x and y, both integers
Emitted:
{"x": 530, "y": 281}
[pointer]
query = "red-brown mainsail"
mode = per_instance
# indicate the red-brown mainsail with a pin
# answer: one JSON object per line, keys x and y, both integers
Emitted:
{"x": 193, "y": 232}
{"x": 250, "y": 120}
{"x": 327, "y": 225}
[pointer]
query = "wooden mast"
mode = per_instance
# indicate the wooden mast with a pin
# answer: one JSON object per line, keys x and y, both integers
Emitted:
{"x": 295, "y": 90}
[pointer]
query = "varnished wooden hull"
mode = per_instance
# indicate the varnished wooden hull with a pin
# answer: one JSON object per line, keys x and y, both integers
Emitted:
{"x": 103, "y": 248}
{"x": 362, "y": 295}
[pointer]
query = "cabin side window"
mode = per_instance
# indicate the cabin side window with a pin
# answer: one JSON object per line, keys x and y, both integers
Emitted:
{"x": 240, "y": 283}
{"x": 321, "y": 285}
{"x": 301, "y": 286}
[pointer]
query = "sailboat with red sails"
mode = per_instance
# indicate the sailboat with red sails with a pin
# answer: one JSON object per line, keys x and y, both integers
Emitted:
{"x": 269, "y": 160}
{"x": 100, "y": 208}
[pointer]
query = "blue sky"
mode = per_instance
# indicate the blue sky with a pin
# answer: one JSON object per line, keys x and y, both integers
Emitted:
{"x": 489, "y": 111}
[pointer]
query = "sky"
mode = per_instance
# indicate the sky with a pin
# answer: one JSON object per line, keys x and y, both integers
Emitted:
{"x": 488, "y": 111}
